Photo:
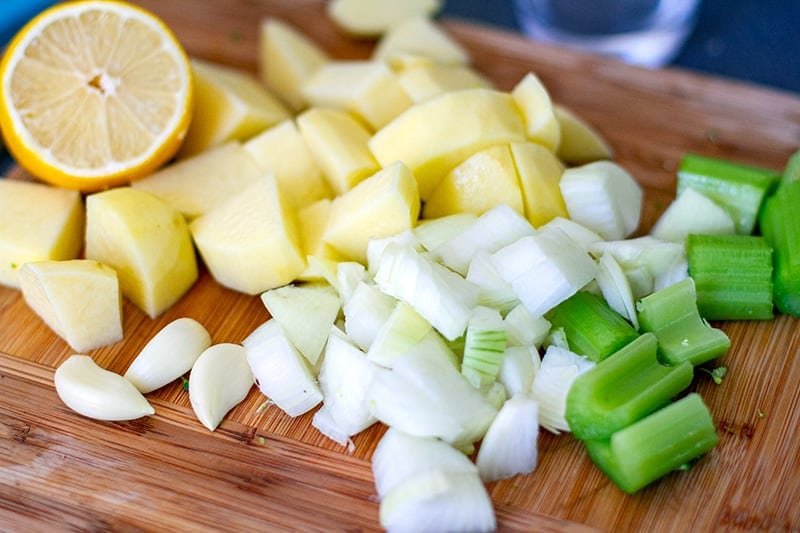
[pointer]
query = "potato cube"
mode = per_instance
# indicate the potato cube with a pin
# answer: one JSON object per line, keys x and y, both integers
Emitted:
{"x": 37, "y": 222}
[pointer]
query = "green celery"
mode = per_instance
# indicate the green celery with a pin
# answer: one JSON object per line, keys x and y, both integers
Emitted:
{"x": 780, "y": 225}
{"x": 739, "y": 189}
{"x": 623, "y": 388}
{"x": 732, "y": 275}
{"x": 792, "y": 170}
{"x": 592, "y": 328}
{"x": 485, "y": 342}
{"x": 656, "y": 445}
{"x": 671, "y": 313}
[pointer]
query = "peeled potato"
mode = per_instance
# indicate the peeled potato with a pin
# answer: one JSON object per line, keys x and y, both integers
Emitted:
{"x": 371, "y": 18}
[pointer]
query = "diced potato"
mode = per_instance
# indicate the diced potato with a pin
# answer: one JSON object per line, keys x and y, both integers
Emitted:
{"x": 230, "y": 104}
{"x": 580, "y": 142}
{"x": 420, "y": 35}
{"x": 146, "y": 241}
{"x": 422, "y": 81}
{"x": 200, "y": 182}
{"x": 486, "y": 179}
{"x": 313, "y": 220}
{"x": 434, "y": 136}
{"x": 251, "y": 243}
{"x": 339, "y": 144}
{"x": 371, "y": 18}
{"x": 282, "y": 150}
{"x": 382, "y": 205}
{"x": 286, "y": 58}
{"x": 78, "y": 299}
{"x": 37, "y": 222}
{"x": 368, "y": 89}
{"x": 537, "y": 108}
{"x": 539, "y": 173}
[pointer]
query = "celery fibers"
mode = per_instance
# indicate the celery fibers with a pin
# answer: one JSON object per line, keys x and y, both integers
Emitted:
{"x": 732, "y": 275}
{"x": 780, "y": 225}
{"x": 671, "y": 313}
{"x": 592, "y": 328}
{"x": 739, "y": 189}
{"x": 623, "y": 388}
{"x": 654, "y": 446}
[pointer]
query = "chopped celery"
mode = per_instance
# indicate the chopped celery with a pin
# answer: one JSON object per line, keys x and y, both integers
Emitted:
{"x": 780, "y": 226}
{"x": 671, "y": 313}
{"x": 484, "y": 346}
{"x": 740, "y": 189}
{"x": 792, "y": 170}
{"x": 593, "y": 329}
{"x": 623, "y": 388}
{"x": 732, "y": 276}
{"x": 654, "y": 446}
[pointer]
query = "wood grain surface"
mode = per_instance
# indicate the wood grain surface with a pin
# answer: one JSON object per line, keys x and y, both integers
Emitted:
{"x": 262, "y": 471}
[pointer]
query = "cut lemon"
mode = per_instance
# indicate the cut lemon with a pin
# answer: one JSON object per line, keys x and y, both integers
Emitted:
{"x": 94, "y": 94}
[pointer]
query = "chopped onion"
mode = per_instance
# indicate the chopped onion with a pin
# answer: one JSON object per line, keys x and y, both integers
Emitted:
{"x": 281, "y": 372}
{"x": 494, "y": 229}
{"x": 509, "y": 446}
{"x": 365, "y": 312}
{"x": 439, "y": 295}
{"x": 551, "y": 385}
{"x": 692, "y": 212}
{"x": 518, "y": 368}
{"x": 616, "y": 289}
{"x": 344, "y": 378}
{"x": 426, "y": 396}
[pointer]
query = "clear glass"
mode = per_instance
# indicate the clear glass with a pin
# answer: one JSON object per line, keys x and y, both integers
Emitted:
{"x": 642, "y": 32}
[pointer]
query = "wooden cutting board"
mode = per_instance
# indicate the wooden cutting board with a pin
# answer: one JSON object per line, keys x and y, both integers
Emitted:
{"x": 262, "y": 471}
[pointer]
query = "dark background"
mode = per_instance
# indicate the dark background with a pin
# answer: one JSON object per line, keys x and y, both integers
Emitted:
{"x": 755, "y": 41}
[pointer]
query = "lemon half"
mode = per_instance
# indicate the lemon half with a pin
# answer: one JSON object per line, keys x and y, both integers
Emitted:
{"x": 94, "y": 94}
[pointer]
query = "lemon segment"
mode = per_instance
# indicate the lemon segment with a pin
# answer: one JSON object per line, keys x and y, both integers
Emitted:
{"x": 94, "y": 94}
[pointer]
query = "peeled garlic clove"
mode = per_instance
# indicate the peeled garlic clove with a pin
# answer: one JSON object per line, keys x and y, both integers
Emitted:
{"x": 95, "y": 392}
{"x": 220, "y": 379}
{"x": 168, "y": 355}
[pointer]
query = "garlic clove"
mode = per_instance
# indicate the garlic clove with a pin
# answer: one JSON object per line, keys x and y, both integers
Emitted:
{"x": 95, "y": 392}
{"x": 168, "y": 355}
{"x": 220, "y": 379}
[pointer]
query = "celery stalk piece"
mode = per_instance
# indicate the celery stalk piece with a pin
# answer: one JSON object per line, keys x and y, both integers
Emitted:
{"x": 671, "y": 313}
{"x": 692, "y": 212}
{"x": 625, "y": 387}
{"x": 438, "y": 294}
{"x": 545, "y": 269}
{"x": 791, "y": 171}
{"x": 732, "y": 276}
{"x": 658, "y": 444}
{"x": 483, "y": 347}
{"x": 593, "y": 329}
{"x": 780, "y": 226}
{"x": 738, "y": 188}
